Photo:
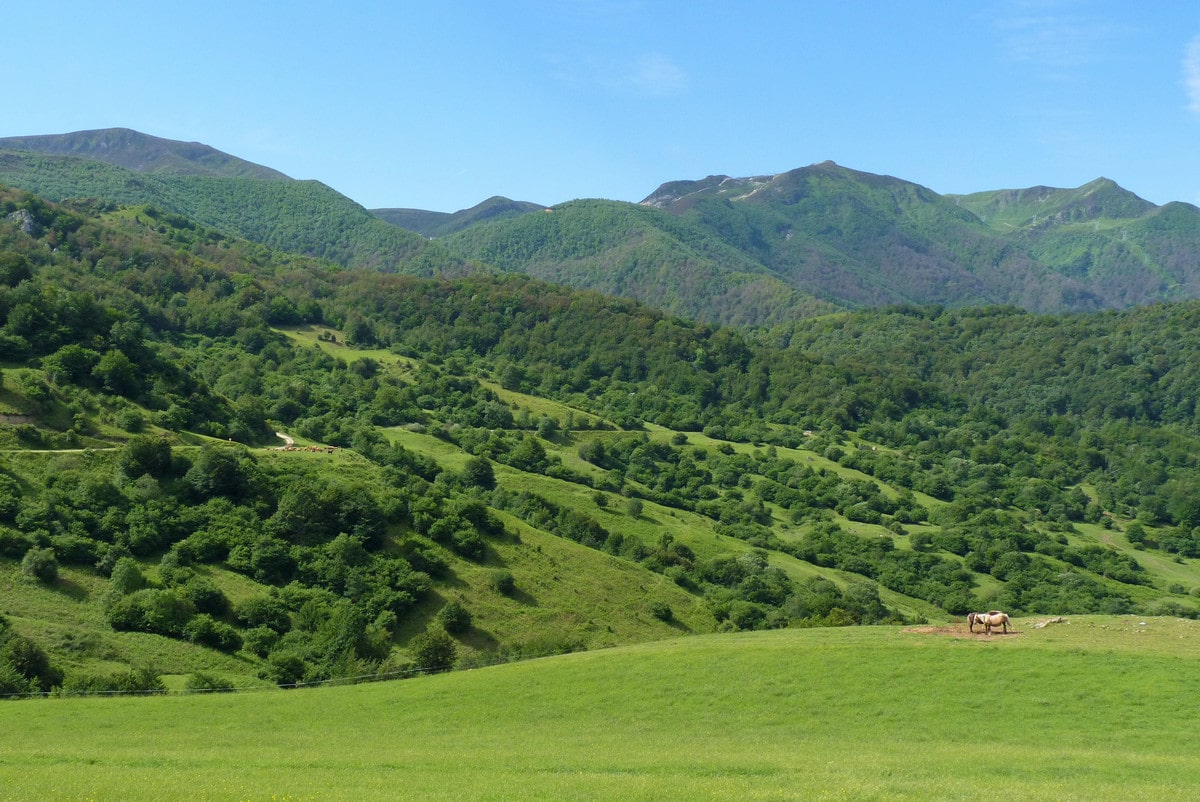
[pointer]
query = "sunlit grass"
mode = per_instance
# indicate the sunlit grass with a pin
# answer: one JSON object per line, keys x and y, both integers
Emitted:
{"x": 1095, "y": 708}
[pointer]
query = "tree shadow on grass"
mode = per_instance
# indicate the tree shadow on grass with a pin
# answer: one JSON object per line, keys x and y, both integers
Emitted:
{"x": 479, "y": 640}
{"x": 521, "y": 597}
{"x": 69, "y": 588}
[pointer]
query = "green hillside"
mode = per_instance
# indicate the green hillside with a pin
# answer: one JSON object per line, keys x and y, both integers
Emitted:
{"x": 752, "y": 250}
{"x": 300, "y": 216}
{"x": 637, "y": 252}
{"x": 490, "y": 468}
{"x": 1093, "y": 708}
{"x": 1099, "y": 200}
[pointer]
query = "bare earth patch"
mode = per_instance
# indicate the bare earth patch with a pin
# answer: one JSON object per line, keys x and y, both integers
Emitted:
{"x": 959, "y": 631}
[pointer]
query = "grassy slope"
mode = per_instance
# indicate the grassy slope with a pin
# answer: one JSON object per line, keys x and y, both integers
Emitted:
{"x": 1088, "y": 709}
{"x": 567, "y": 594}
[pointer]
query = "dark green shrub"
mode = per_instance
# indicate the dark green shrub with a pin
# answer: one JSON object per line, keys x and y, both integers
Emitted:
{"x": 454, "y": 617}
{"x": 160, "y": 612}
{"x": 13, "y": 684}
{"x": 40, "y": 564}
{"x": 28, "y": 660}
{"x": 205, "y": 596}
{"x": 13, "y": 544}
{"x": 478, "y": 472}
{"x": 10, "y": 498}
{"x": 502, "y": 581}
{"x": 201, "y": 682}
{"x": 126, "y": 577}
{"x": 433, "y": 651}
{"x": 284, "y": 668}
{"x": 661, "y": 610}
{"x": 260, "y": 640}
{"x": 75, "y": 549}
{"x": 207, "y": 631}
{"x": 264, "y": 611}
{"x": 135, "y": 681}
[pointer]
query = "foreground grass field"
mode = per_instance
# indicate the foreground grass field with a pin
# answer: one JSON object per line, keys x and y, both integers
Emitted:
{"x": 1093, "y": 708}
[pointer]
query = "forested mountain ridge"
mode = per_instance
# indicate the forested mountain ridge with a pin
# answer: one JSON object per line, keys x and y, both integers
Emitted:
{"x": 490, "y": 466}
{"x": 238, "y": 198}
{"x": 760, "y": 250}
{"x": 859, "y": 240}
{"x": 1098, "y": 246}
{"x": 633, "y": 251}
{"x": 143, "y": 153}
{"x": 439, "y": 224}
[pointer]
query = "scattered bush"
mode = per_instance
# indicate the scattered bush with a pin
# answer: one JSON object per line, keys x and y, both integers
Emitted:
{"x": 662, "y": 611}
{"x": 201, "y": 682}
{"x": 142, "y": 680}
{"x": 502, "y": 581}
{"x": 40, "y": 564}
{"x": 454, "y": 617}
{"x": 207, "y": 631}
{"x": 433, "y": 651}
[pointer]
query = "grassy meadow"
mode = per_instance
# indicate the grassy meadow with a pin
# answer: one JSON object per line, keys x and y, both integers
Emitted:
{"x": 1093, "y": 708}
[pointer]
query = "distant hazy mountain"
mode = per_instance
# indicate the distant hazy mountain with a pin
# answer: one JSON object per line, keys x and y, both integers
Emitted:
{"x": 142, "y": 153}
{"x": 215, "y": 189}
{"x": 854, "y": 239}
{"x": 862, "y": 239}
{"x": 439, "y": 224}
{"x": 760, "y": 250}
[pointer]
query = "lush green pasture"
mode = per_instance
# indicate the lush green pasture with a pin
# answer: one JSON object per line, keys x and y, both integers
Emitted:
{"x": 1095, "y": 708}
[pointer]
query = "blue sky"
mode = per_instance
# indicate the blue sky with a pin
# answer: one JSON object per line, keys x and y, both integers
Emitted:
{"x": 439, "y": 105}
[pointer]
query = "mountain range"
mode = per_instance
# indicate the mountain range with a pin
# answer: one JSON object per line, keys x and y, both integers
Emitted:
{"x": 757, "y": 250}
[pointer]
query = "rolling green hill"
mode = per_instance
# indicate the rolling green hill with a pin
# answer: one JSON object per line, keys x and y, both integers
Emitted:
{"x": 865, "y": 240}
{"x": 1089, "y": 709}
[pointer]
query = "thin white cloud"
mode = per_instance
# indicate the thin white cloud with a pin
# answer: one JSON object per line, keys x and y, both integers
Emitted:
{"x": 655, "y": 74}
{"x": 649, "y": 75}
{"x": 1055, "y": 36}
{"x": 1191, "y": 74}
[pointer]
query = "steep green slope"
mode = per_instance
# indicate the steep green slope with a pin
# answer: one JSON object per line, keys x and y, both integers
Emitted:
{"x": 302, "y": 216}
{"x": 637, "y": 252}
{"x": 865, "y": 240}
{"x": 1005, "y": 210}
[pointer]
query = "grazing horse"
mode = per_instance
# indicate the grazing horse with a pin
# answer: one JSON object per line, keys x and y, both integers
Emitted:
{"x": 992, "y": 618}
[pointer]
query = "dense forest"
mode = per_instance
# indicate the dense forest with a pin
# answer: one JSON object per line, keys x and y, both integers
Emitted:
{"x": 854, "y": 467}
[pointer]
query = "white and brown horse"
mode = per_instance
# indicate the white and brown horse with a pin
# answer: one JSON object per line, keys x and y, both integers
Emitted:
{"x": 992, "y": 618}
